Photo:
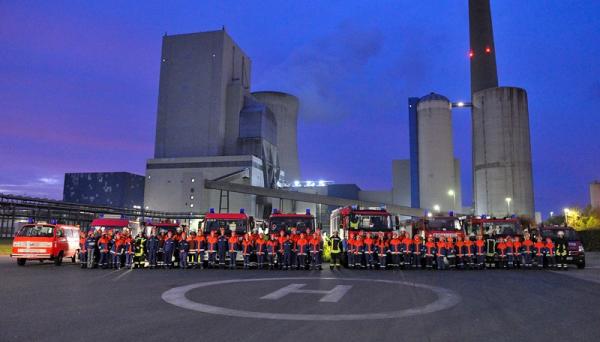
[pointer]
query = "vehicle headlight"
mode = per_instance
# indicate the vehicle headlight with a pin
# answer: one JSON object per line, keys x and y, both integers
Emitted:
{"x": 581, "y": 248}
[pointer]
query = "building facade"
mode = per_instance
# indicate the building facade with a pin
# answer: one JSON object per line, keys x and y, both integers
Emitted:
{"x": 113, "y": 189}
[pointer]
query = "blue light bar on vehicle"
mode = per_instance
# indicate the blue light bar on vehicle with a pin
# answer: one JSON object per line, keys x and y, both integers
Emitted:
{"x": 212, "y": 210}
{"x": 242, "y": 210}
{"x": 307, "y": 211}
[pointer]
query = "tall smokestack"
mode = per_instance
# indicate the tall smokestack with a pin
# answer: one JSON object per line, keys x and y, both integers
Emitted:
{"x": 483, "y": 55}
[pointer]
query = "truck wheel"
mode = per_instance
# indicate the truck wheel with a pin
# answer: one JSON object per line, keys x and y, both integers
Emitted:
{"x": 581, "y": 265}
{"x": 21, "y": 261}
{"x": 58, "y": 259}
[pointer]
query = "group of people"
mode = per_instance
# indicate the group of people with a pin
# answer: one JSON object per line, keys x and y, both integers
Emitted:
{"x": 446, "y": 252}
{"x": 304, "y": 250}
{"x": 178, "y": 249}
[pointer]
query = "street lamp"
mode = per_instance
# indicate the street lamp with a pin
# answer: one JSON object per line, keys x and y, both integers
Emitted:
{"x": 436, "y": 208}
{"x": 567, "y": 211}
{"x": 453, "y": 194}
{"x": 551, "y": 214}
{"x": 508, "y": 200}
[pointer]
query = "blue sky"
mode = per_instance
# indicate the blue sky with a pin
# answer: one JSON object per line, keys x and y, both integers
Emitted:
{"x": 79, "y": 82}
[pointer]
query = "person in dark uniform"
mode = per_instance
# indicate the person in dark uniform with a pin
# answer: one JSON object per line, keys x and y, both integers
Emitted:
{"x": 222, "y": 247}
{"x": 562, "y": 250}
{"x": 152, "y": 249}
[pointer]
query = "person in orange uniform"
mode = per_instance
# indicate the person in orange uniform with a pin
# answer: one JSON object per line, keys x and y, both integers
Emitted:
{"x": 280, "y": 240}
{"x": 201, "y": 248}
{"x": 406, "y": 250}
{"x": 442, "y": 251}
{"x": 302, "y": 248}
{"x": 395, "y": 249}
{"x": 294, "y": 236}
{"x": 212, "y": 243}
{"x": 540, "y": 249}
{"x": 527, "y": 251}
{"x": 480, "y": 251}
{"x": 550, "y": 253}
{"x": 451, "y": 253}
{"x": 359, "y": 248}
{"x": 103, "y": 244}
{"x": 430, "y": 252}
{"x": 369, "y": 245}
{"x": 502, "y": 256}
{"x": 382, "y": 249}
{"x": 272, "y": 251}
{"x": 128, "y": 251}
{"x": 517, "y": 247}
{"x": 192, "y": 250}
{"x": 233, "y": 243}
{"x": 417, "y": 250}
{"x": 316, "y": 248}
{"x": 469, "y": 251}
{"x": 261, "y": 250}
{"x": 460, "y": 252}
{"x": 82, "y": 250}
{"x": 510, "y": 248}
{"x": 247, "y": 249}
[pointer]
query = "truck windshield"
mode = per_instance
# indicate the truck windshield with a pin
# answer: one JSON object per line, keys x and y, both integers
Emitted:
{"x": 37, "y": 231}
{"x": 570, "y": 234}
{"x": 443, "y": 224}
{"x": 502, "y": 228}
{"x": 239, "y": 226}
{"x": 288, "y": 222}
{"x": 374, "y": 223}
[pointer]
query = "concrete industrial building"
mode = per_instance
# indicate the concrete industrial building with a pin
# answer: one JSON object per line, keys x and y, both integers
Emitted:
{"x": 112, "y": 189}
{"x": 502, "y": 168}
{"x": 285, "y": 108}
{"x": 434, "y": 172}
{"x": 210, "y": 126}
{"x": 595, "y": 195}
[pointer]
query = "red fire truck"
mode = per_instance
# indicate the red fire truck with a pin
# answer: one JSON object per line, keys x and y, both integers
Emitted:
{"x": 438, "y": 226}
{"x": 285, "y": 221}
{"x": 240, "y": 222}
{"x": 508, "y": 226}
{"x": 365, "y": 220}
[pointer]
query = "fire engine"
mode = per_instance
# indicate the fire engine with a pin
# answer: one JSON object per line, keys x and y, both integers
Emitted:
{"x": 438, "y": 226}
{"x": 107, "y": 223}
{"x": 502, "y": 227}
{"x": 240, "y": 222}
{"x": 285, "y": 221}
{"x": 365, "y": 220}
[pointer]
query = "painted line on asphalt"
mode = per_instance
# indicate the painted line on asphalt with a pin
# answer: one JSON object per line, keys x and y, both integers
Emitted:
{"x": 122, "y": 275}
{"x": 445, "y": 299}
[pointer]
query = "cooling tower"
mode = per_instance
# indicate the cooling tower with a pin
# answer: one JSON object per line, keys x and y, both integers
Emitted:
{"x": 285, "y": 108}
{"x": 436, "y": 153}
{"x": 502, "y": 153}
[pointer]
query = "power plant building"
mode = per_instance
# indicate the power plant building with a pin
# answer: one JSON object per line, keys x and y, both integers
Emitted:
{"x": 435, "y": 173}
{"x": 502, "y": 168}
{"x": 595, "y": 195}
{"x": 210, "y": 127}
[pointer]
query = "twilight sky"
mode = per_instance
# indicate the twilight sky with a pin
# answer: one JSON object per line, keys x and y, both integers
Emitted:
{"x": 79, "y": 83}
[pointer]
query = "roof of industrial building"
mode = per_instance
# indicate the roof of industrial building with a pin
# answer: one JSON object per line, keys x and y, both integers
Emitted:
{"x": 434, "y": 97}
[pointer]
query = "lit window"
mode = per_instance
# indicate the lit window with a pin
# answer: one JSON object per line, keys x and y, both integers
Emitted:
{"x": 191, "y": 205}
{"x": 192, "y": 197}
{"x": 193, "y": 180}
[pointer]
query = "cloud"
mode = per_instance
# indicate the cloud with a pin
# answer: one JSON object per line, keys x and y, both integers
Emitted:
{"x": 323, "y": 72}
{"x": 46, "y": 187}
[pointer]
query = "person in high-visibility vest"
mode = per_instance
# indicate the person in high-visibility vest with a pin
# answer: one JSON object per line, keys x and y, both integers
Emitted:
{"x": 562, "y": 250}
{"x": 336, "y": 248}
{"x": 139, "y": 258}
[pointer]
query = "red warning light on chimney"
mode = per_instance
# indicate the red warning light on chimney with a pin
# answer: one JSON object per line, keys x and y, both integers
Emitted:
{"x": 488, "y": 49}
{"x": 471, "y": 54}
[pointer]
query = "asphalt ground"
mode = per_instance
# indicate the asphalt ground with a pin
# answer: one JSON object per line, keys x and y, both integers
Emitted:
{"x": 42, "y": 302}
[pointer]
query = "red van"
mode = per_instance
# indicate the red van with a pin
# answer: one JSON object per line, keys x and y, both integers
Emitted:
{"x": 42, "y": 241}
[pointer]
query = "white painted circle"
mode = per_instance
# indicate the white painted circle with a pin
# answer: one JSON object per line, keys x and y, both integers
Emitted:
{"x": 176, "y": 296}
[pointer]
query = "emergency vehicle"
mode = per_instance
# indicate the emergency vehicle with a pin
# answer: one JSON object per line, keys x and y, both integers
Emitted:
{"x": 107, "y": 224}
{"x": 500, "y": 227}
{"x": 161, "y": 227}
{"x": 365, "y": 220}
{"x": 575, "y": 246}
{"x": 240, "y": 222}
{"x": 438, "y": 226}
{"x": 285, "y": 221}
{"x": 43, "y": 241}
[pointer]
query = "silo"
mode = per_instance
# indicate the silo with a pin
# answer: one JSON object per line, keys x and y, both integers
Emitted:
{"x": 502, "y": 175}
{"x": 285, "y": 108}
{"x": 436, "y": 152}
{"x": 595, "y": 195}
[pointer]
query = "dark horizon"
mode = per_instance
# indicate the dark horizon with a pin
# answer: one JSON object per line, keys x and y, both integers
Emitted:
{"x": 80, "y": 82}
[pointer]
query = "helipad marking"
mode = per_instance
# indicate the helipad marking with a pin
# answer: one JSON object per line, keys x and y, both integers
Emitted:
{"x": 332, "y": 296}
{"x": 176, "y": 296}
